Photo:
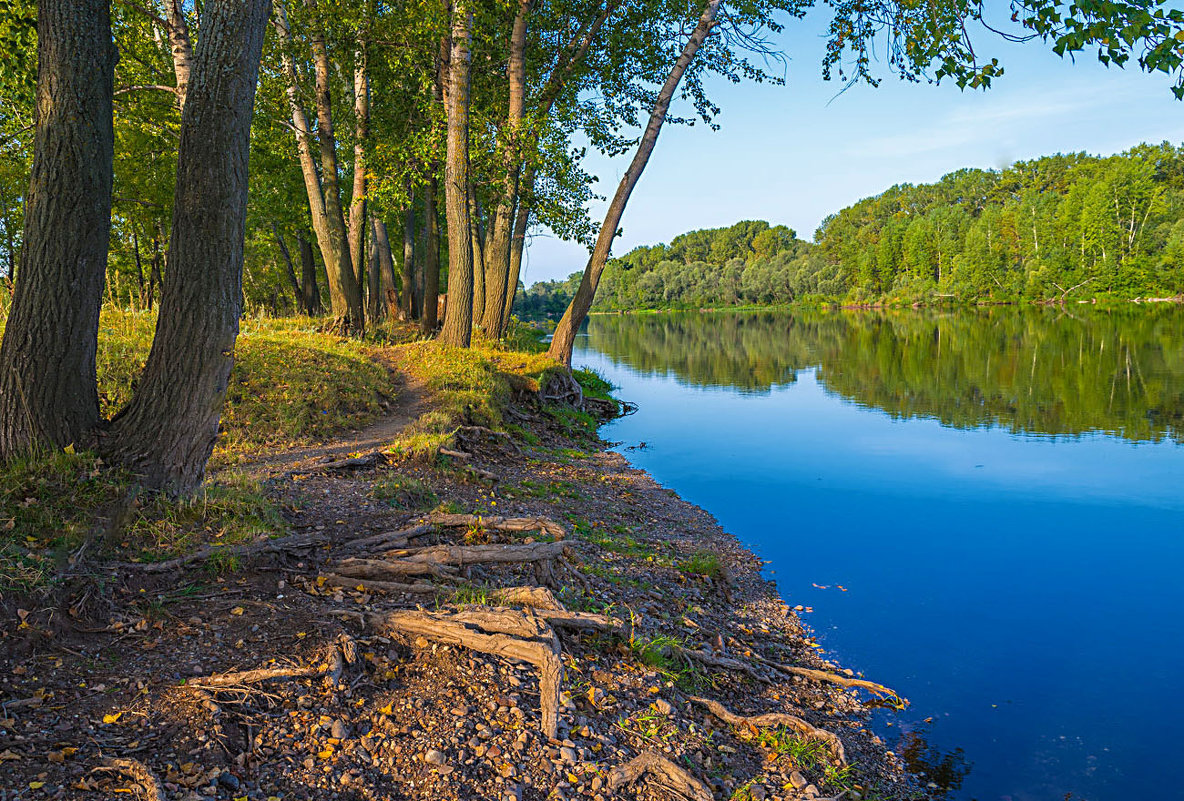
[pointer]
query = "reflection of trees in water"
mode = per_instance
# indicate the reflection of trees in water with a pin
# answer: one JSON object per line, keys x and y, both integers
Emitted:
{"x": 946, "y": 770}
{"x": 1036, "y": 370}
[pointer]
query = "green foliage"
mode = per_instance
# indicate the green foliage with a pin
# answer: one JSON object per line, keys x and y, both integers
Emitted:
{"x": 593, "y": 383}
{"x": 702, "y": 563}
{"x": 1027, "y": 369}
{"x": 404, "y": 492}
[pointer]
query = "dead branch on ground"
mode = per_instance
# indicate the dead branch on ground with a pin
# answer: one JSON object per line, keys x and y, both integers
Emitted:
{"x": 773, "y": 719}
{"x": 662, "y": 772}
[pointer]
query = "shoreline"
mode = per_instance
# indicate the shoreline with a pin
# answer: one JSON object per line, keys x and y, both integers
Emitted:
{"x": 680, "y": 619}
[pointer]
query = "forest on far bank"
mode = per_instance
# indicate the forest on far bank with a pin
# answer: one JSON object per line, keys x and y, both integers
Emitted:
{"x": 1061, "y": 226}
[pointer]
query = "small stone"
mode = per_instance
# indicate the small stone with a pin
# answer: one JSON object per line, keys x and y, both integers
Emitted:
{"x": 434, "y": 757}
{"x": 757, "y": 793}
{"x": 568, "y": 754}
{"x": 339, "y": 730}
{"x": 797, "y": 780}
{"x": 811, "y": 791}
{"x": 664, "y": 707}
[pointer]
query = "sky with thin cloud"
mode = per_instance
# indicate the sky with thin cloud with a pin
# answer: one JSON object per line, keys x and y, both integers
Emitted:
{"x": 794, "y": 154}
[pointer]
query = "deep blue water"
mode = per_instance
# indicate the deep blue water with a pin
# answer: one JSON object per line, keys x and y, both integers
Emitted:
{"x": 1023, "y": 588}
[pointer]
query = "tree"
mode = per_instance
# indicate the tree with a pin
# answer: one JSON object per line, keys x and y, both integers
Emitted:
{"x": 565, "y": 333}
{"x": 167, "y": 432}
{"x": 48, "y": 394}
{"x": 458, "y": 318}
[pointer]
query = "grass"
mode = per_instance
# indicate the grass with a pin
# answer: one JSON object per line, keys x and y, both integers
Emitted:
{"x": 551, "y": 490}
{"x": 291, "y": 385}
{"x": 701, "y": 563}
{"x": 469, "y": 386}
{"x": 52, "y": 505}
{"x": 404, "y": 492}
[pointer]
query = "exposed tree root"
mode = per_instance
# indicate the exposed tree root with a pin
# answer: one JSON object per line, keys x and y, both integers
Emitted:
{"x": 278, "y": 545}
{"x": 724, "y": 662}
{"x": 383, "y": 568}
{"x": 372, "y": 585}
{"x": 662, "y": 772}
{"x": 516, "y": 636}
{"x": 533, "y": 597}
{"x": 464, "y": 457}
{"x": 879, "y": 690}
{"x": 516, "y": 524}
{"x": 145, "y": 779}
{"x": 387, "y": 539}
{"x": 341, "y": 653}
{"x": 771, "y": 719}
{"x": 541, "y": 555}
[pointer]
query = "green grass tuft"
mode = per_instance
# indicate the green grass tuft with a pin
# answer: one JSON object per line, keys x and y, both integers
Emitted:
{"x": 404, "y": 492}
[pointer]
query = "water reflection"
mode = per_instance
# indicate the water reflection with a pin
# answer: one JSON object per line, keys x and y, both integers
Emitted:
{"x": 1032, "y": 370}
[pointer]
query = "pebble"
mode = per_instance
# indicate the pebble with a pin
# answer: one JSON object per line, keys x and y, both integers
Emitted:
{"x": 568, "y": 754}
{"x": 664, "y": 707}
{"x": 434, "y": 757}
{"x": 797, "y": 780}
{"x": 339, "y": 730}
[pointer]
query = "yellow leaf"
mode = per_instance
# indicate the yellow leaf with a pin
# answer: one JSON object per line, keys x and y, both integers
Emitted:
{"x": 36, "y": 785}
{"x": 238, "y": 610}
{"x": 386, "y": 710}
{"x": 69, "y": 448}
{"x": 112, "y": 718}
{"x": 328, "y": 752}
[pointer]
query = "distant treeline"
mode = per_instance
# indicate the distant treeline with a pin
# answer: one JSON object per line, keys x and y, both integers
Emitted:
{"x": 1063, "y": 226}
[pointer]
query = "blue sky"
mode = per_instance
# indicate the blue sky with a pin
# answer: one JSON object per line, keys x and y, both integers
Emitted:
{"x": 793, "y": 154}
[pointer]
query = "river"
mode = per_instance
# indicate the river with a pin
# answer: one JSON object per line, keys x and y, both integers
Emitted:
{"x": 979, "y": 508}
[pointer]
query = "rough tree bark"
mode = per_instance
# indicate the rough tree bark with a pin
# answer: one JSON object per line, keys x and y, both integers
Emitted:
{"x": 565, "y": 333}
{"x": 458, "y": 317}
{"x": 345, "y": 296}
{"x": 167, "y": 432}
{"x": 48, "y": 394}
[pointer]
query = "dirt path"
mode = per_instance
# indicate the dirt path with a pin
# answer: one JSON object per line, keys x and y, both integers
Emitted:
{"x": 409, "y": 403}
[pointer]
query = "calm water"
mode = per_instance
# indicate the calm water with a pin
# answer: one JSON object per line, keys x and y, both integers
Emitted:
{"x": 998, "y": 492}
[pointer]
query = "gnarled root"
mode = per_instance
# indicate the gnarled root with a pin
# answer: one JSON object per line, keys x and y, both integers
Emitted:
{"x": 145, "y": 779}
{"x": 724, "y": 662}
{"x": 541, "y": 555}
{"x": 532, "y": 597}
{"x": 341, "y": 653}
{"x": 770, "y": 719}
{"x": 384, "y": 569}
{"x": 662, "y": 772}
{"x": 515, "y": 635}
{"x": 515, "y": 524}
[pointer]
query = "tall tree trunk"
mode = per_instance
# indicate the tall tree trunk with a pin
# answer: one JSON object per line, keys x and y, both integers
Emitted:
{"x": 290, "y": 268}
{"x": 431, "y": 258}
{"x": 518, "y": 246}
{"x": 357, "y": 202}
{"x": 350, "y": 317}
{"x": 48, "y": 393}
{"x": 345, "y": 295}
{"x": 408, "y": 302}
{"x": 308, "y": 282}
{"x": 376, "y": 308}
{"x": 167, "y": 432}
{"x": 181, "y": 46}
{"x": 386, "y": 266}
{"x": 458, "y": 316}
{"x": 478, "y": 259}
{"x": 497, "y": 252}
{"x": 565, "y": 333}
